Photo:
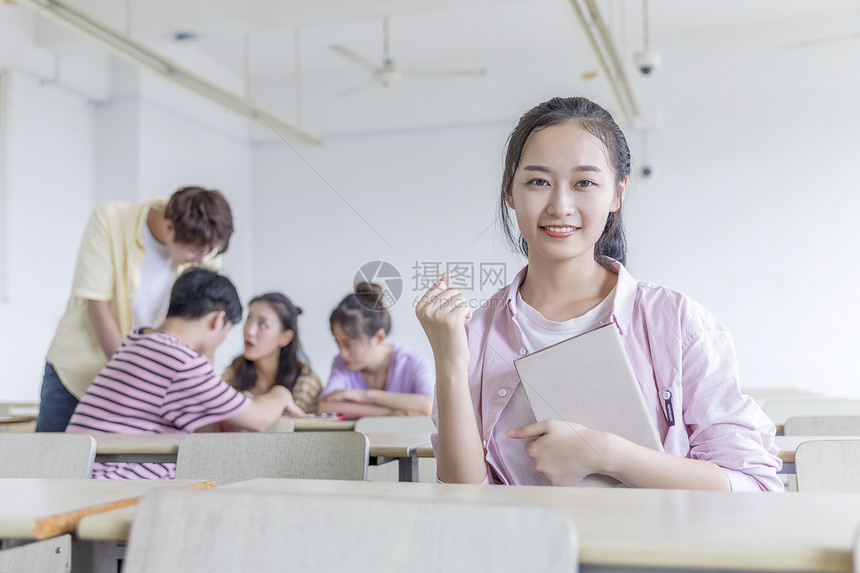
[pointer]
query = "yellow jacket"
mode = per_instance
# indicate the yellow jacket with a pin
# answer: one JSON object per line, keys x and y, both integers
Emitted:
{"x": 108, "y": 268}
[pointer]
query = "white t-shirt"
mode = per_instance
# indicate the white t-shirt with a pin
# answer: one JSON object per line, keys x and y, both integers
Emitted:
{"x": 538, "y": 333}
{"x": 157, "y": 273}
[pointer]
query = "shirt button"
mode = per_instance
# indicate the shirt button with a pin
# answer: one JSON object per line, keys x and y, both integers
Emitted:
{"x": 503, "y": 392}
{"x": 522, "y": 351}
{"x": 485, "y": 444}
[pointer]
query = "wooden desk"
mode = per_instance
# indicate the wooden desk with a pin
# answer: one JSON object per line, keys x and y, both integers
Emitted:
{"x": 42, "y": 508}
{"x": 321, "y": 424}
{"x": 387, "y": 447}
{"x": 622, "y": 527}
{"x": 425, "y": 451}
{"x": 138, "y": 448}
{"x": 4, "y": 420}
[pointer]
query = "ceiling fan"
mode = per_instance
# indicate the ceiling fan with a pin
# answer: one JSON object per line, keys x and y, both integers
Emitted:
{"x": 388, "y": 74}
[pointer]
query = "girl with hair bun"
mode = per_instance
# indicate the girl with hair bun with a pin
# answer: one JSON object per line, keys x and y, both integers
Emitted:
{"x": 273, "y": 355}
{"x": 565, "y": 178}
{"x": 371, "y": 376}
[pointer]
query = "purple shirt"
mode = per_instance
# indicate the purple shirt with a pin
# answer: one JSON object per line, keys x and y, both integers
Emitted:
{"x": 673, "y": 344}
{"x": 409, "y": 372}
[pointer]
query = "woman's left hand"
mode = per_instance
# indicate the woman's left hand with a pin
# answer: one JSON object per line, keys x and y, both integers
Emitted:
{"x": 564, "y": 452}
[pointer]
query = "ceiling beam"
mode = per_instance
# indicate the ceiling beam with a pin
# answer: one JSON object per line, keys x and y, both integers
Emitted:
{"x": 140, "y": 55}
{"x": 598, "y": 39}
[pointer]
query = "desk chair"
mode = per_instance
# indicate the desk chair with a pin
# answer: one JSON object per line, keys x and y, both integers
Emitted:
{"x": 857, "y": 552}
{"x": 46, "y": 455}
{"x": 228, "y": 457}
{"x": 236, "y": 531}
{"x": 828, "y": 465}
{"x": 46, "y": 556}
{"x": 780, "y": 409}
{"x": 405, "y": 424}
{"x": 822, "y": 426}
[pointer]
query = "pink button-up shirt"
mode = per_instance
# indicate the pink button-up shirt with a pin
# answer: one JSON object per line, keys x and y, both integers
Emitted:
{"x": 673, "y": 344}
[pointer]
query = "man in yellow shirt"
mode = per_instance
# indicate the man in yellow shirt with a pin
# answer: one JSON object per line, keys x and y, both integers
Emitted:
{"x": 128, "y": 259}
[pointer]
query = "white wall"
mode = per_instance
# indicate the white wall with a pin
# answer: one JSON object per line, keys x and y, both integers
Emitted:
{"x": 749, "y": 209}
{"x": 99, "y": 131}
{"x": 50, "y": 143}
{"x": 404, "y": 197}
{"x": 754, "y": 189}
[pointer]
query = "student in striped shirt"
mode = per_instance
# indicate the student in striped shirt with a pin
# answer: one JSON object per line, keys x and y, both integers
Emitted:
{"x": 273, "y": 355}
{"x": 161, "y": 379}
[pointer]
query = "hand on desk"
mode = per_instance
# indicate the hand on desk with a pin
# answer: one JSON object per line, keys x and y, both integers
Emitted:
{"x": 348, "y": 395}
{"x": 564, "y": 452}
{"x": 291, "y": 408}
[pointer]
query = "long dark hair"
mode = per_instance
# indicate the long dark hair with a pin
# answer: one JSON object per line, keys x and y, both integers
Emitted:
{"x": 598, "y": 122}
{"x": 362, "y": 312}
{"x": 291, "y": 360}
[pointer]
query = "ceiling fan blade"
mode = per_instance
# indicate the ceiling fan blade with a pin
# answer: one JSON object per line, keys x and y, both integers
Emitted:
{"x": 821, "y": 41}
{"x": 356, "y": 88}
{"x": 462, "y": 72}
{"x": 353, "y": 57}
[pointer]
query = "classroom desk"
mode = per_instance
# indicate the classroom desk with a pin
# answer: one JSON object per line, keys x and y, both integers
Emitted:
{"x": 5, "y": 420}
{"x": 387, "y": 447}
{"x": 42, "y": 508}
{"x": 321, "y": 424}
{"x": 622, "y": 527}
{"x": 628, "y": 528}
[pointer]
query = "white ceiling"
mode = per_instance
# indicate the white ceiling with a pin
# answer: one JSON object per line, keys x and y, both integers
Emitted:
{"x": 438, "y": 32}
{"x": 711, "y": 49}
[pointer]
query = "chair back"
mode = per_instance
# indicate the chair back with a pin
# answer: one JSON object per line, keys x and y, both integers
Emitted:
{"x": 822, "y": 426}
{"x": 52, "y": 555}
{"x": 233, "y": 531}
{"x": 46, "y": 455}
{"x": 780, "y": 409}
{"x": 828, "y": 466}
{"x": 229, "y": 457}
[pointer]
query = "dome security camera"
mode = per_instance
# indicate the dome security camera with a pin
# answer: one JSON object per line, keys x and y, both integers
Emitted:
{"x": 647, "y": 61}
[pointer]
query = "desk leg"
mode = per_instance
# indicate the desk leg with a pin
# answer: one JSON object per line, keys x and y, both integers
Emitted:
{"x": 96, "y": 556}
{"x": 408, "y": 467}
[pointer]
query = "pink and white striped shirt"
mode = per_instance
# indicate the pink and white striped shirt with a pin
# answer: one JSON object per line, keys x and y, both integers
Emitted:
{"x": 153, "y": 384}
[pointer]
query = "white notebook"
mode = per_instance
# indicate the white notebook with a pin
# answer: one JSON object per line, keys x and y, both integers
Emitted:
{"x": 588, "y": 379}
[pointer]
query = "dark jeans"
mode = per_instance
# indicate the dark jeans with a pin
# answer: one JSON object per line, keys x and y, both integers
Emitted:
{"x": 57, "y": 405}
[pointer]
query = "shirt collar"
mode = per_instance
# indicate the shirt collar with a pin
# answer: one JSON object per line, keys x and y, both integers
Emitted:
{"x": 142, "y": 216}
{"x": 511, "y": 295}
{"x": 622, "y": 306}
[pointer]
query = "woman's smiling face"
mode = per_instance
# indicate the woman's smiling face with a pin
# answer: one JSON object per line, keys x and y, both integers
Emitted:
{"x": 563, "y": 191}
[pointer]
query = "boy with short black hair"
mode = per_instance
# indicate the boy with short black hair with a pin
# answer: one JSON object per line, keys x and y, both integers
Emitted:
{"x": 161, "y": 379}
